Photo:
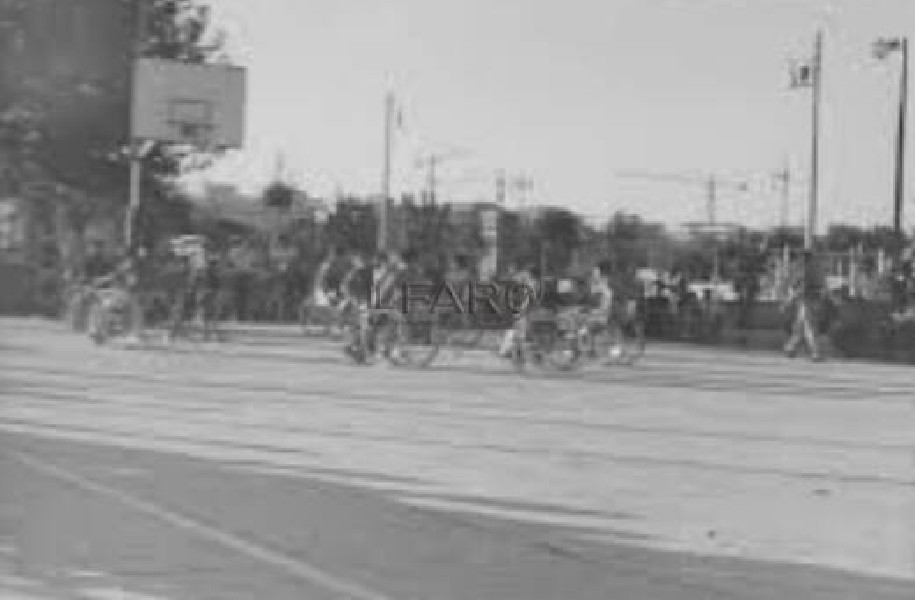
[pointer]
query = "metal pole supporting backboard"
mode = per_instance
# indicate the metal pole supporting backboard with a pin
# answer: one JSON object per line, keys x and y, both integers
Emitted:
{"x": 136, "y": 164}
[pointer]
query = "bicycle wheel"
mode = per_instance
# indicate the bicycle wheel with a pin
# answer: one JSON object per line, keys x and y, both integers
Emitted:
{"x": 358, "y": 346}
{"x": 607, "y": 343}
{"x": 562, "y": 352}
{"x": 556, "y": 341}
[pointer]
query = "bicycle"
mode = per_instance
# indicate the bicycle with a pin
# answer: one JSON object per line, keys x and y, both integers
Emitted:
{"x": 389, "y": 334}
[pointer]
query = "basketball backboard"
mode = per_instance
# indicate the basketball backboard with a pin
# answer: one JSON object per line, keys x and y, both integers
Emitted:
{"x": 184, "y": 103}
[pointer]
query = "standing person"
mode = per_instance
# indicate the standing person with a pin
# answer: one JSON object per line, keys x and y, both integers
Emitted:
{"x": 94, "y": 266}
{"x": 188, "y": 299}
{"x": 242, "y": 257}
{"x": 209, "y": 292}
{"x": 801, "y": 306}
{"x": 601, "y": 292}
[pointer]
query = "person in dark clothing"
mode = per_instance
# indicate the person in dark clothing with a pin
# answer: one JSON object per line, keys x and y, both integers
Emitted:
{"x": 357, "y": 287}
{"x": 193, "y": 299}
{"x": 803, "y": 304}
{"x": 97, "y": 264}
{"x": 208, "y": 292}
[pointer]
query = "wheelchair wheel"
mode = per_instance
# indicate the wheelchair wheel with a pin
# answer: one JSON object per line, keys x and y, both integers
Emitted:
{"x": 562, "y": 352}
{"x": 413, "y": 343}
{"x": 97, "y": 323}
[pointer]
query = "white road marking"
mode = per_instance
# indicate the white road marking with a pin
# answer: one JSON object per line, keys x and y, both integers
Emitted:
{"x": 297, "y": 568}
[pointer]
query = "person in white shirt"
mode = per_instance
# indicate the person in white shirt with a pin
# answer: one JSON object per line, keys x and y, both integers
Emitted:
{"x": 386, "y": 275}
{"x": 319, "y": 293}
{"x": 524, "y": 277}
{"x": 601, "y": 292}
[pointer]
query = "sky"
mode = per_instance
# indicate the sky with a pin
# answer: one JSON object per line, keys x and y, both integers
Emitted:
{"x": 571, "y": 94}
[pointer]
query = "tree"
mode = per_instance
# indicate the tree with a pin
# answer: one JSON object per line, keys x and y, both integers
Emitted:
{"x": 885, "y": 238}
{"x": 353, "y": 226}
{"x": 558, "y": 232}
{"x": 279, "y": 195}
{"x": 791, "y": 237}
{"x": 840, "y": 238}
{"x": 517, "y": 241}
{"x": 630, "y": 240}
{"x": 65, "y": 117}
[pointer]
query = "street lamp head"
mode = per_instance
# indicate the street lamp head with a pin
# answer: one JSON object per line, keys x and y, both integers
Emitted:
{"x": 884, "y": 46}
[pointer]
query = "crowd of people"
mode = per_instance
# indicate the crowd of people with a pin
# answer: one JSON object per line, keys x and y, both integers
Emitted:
{"x": 205, "y": 284}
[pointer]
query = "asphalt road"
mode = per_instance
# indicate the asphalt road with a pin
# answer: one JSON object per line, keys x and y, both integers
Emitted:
{"x": 272, "y": 468}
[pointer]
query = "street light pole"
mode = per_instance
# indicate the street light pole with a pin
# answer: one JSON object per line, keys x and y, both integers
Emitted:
{"x": 810, "y": 230}
{"x": 432, "y": 180}
{"x": 882, "y": 48}
{"x": 711, "y": 200}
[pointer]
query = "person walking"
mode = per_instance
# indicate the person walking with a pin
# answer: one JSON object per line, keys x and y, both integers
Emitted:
{"x": 800, "y": 306}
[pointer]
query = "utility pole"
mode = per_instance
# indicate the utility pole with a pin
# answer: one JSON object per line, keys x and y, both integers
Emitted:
{"x": 712, "y": 190}
{"x": 784, "y": 177}
{"x": 386, "y": 173}
{"x": 500, "y": 187}
{"x": 433, "y": 159}
{"x": 524, "y": 185}
{"x": 900, "y": 140}
{"x": 810, "y": 230}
